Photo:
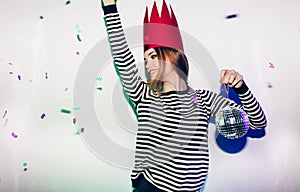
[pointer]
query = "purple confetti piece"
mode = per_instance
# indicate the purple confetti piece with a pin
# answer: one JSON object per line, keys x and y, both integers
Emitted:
{"x": 82, "y": 130}
{"x": 194, "y": 98}
{"x": 43, "y": 116}
{"x": 14, "y": 135}
{"x": 19, "y": 77}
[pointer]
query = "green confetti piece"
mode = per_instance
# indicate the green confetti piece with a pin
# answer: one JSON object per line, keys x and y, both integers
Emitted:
{"x": 24, "y": 164}
{"x": 65, "y": 111}
{"x": 78, "y": 38}
{"x": 99, "y": 88}
{"x": 76, "y": 108}
{"x": 68, "y": 2}
{"x": 99, "y": 78}
{"x": 66, "y": 89}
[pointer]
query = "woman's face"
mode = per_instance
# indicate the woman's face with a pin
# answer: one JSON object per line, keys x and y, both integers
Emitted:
{"x": 152, "y": 65}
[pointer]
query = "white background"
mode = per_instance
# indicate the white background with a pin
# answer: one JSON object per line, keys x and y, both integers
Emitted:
{"x": 57, "y": 158}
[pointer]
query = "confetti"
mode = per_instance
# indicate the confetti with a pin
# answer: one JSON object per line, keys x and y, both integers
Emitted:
{"x": 65, "y": 111}
{"x": 99, "y": 88}
{"x": 195, "y": 98}
{"x": 270, "y": 85}
{"x": 25, "y": 166}
{"x": 99, "y": 79}
{"x": 78, "y": 38}
{"x": 271, "y": 65}
{"x": 46, "y": 75}
{"x": 74, "y": 120}
{"x": 6, "y": 121}
{"x": 66, "y": 89}
{"x": 77, "y": 53}
{"x": 68, "y": 2}
{"x": 4, "y": 114}
{"x": 11, "y": 73}
{"x": 82, "y": 130}
{"x": 231, "y": 16}
{"x": 10, "y": 63}
{"x": 41, "y": 17}
{"x": 78, "y": 29}
{"x": 14, "y": 135}
{"x": 43, "y": 116}
{"x": 19, "y": 77}
{"x": 76, "y": 108}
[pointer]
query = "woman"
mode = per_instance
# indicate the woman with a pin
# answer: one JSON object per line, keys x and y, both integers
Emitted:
{"x": 171, "y": 145}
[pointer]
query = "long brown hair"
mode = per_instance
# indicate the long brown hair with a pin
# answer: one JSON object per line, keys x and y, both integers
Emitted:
{"x": 176, "y": 58}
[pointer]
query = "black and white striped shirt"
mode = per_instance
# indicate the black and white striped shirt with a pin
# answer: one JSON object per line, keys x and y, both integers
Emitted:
{"x": 172, "y": 143}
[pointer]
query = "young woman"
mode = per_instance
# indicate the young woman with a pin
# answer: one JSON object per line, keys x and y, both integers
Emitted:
{"x": 171, "y": 145}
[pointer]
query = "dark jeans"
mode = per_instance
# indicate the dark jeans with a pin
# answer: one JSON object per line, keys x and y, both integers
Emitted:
{"x": 142, "y": 185}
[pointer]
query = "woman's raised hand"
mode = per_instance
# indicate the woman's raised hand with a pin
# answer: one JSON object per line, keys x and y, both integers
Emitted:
{"x": 231, "y": 78}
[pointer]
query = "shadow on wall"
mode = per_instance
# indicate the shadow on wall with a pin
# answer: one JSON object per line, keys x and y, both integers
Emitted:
{"x": 235, "y": 145}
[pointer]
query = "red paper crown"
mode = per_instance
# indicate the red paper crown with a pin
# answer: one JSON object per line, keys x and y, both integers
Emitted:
{"x": 161, "y": 31}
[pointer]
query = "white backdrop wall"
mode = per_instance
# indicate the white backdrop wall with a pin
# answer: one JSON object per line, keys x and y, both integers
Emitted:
{"x": 40, "y": 59}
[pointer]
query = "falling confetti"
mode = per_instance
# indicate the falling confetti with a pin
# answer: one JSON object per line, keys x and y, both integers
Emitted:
{"x": 66, "y": 89}
{"x": 10, "y": 63}
{"x": 19, "y": 77}
{"x": 77, "y": 53}
{"x": 68, "y": 2}
{"x": 11, "y": 73}
{"x": 46, "y": 75}
{"x": 78, "y": 38}
{"x": 270, "y": 85}
{"x": 66, "y": 111}
{"x": 99, "y": 78}
{"x": 6, "y": 121}
{"x": 76, "y": 108}
{"x": 195, "y": 98}
{"x": 43, "y": 116}
{"x": 24, "y": 166}
{"x": 41, "y": 17}
{"x": 14, "y": 135}
{"x": 78, "y": 29}
{"x": 99, "y": 88}
{"x": 271, "y": 65}
{"x": 231, "y": 16}
{"x": 82, "y": 130}
{"x": 4, "y": 114}
{"x": 74, "y": 120}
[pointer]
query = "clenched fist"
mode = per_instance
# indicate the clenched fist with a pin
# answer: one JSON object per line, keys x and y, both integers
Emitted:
{"x": 231, "y": 78}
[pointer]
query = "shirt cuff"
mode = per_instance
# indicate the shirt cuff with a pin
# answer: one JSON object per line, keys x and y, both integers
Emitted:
{"x": 243, "y": 89}
{"x": 110, "y": 9}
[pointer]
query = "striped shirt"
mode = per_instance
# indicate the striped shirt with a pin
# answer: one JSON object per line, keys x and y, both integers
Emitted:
{"x": 172, "y": 143}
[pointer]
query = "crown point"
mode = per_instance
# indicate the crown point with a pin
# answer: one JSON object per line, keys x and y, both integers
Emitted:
{"x": 146, "y": 18}
{"x": 154, "y": 13}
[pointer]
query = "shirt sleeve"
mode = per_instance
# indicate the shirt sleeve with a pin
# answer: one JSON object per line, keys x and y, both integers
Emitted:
{"x": 122, "y": 56}
{"x": 250, "y": 105}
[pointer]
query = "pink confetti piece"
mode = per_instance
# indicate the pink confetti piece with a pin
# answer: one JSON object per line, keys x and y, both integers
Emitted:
{"x": 77, "y": 53}
{"x": 43, "y": 116}
{"x": 82, "y": 130}
{"x": 14, "y": 135}
{"x": 10, "y": 63}
{"x": 271, "y": 65}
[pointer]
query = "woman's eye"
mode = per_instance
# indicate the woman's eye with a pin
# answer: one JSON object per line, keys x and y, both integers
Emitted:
{"x": 153, "y": 56}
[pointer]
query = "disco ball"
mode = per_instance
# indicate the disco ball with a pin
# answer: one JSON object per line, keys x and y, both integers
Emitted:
{"x": 232, "y": 123}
